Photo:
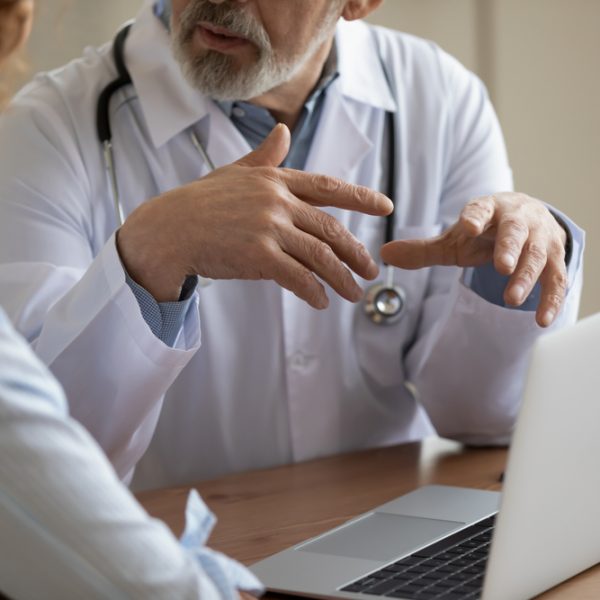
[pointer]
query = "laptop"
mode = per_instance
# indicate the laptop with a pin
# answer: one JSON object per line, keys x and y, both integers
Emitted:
{"x": 451, "y": 543}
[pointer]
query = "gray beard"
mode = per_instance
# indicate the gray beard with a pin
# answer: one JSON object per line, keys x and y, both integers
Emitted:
{"x": 216, "y": 74}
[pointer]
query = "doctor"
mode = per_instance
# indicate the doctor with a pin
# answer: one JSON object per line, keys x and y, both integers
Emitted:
{"x": 238, "y": 370}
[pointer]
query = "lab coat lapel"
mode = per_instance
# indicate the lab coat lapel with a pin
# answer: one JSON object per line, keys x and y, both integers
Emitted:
{"x": 225, "y": 142}
{"x": 339, "y": 144}
{"x": 169, "y": 103}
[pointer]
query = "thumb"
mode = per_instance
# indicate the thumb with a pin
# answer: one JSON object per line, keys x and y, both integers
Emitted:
{"x": 272, "y": 152}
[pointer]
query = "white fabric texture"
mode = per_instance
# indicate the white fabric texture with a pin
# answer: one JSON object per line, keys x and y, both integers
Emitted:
{"x": 69, "y": 528}
{"x": 256, "y": 377}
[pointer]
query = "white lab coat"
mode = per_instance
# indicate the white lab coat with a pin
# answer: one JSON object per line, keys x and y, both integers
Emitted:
{"x": 257, "y": 377}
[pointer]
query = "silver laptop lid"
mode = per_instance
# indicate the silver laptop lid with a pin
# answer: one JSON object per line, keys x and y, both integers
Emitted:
{"x": 549, "y": 523}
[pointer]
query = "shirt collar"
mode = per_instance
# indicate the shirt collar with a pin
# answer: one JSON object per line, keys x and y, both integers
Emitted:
{"x": 328, "y": 75}
{"x": 170, "y": 104}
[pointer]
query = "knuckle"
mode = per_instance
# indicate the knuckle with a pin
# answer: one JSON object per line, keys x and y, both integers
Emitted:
{"x": 271, "y": 222}
{"x": 322, "y": 253}
{"x": 269, "y": 174}
{"x": 305, "y": 279}
{"x": 327, "y": 185}
{"x": 332, "y": 230}
{"x": 560, "y": 281}
{"x": 266, "y": 250}
{"x": 528, "y": 275}
{"x": 361, "y": 195}
{"x": 536, "y": 253}
{"x": 515, "y": 226}
{"x": 483, "y": 203}
{"x": 510, "y": 243}
{"x": 554, "y": 300}
{"x": 305, "y": 285}
{"x": 361, "y": 254}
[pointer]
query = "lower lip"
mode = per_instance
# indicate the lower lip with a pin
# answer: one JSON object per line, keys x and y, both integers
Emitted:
{"x": 221, "y": 43}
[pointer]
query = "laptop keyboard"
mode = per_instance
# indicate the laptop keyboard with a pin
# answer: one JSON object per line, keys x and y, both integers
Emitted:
{"x": 451, "y": 569}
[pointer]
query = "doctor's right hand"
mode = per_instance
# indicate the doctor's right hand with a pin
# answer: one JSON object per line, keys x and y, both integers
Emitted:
{"x": 252, "y": 220}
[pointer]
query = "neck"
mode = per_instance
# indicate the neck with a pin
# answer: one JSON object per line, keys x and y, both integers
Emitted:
{"x": 285, "y": 102}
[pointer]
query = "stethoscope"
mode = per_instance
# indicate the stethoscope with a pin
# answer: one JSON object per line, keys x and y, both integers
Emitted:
{"x": 385, "y": 301}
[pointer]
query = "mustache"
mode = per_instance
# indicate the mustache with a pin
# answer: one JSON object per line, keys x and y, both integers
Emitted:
{"x": 226, "y": 15}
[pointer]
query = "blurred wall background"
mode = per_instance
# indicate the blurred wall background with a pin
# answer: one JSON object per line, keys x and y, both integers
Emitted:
{"x": 539, "y": 59}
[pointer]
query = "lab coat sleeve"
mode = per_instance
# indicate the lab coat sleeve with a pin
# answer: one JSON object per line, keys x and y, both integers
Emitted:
{"x": 469, "y": 360}
{"x": 68, "y": 527}
{"x": 70, "y": 298}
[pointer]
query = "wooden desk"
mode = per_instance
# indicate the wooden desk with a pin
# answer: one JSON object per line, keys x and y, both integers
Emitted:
{"x": 263, "y": 512}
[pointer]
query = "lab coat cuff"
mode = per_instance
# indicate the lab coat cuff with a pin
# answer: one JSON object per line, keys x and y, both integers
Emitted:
{"x": 188, "y": 340}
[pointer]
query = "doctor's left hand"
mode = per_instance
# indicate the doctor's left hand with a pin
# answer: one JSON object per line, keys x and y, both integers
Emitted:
{"x": 518, "y": 233}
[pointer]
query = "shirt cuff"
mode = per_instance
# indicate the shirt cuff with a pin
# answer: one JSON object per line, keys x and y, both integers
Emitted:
{"x": 227, "y": 574}
{"x": 487, "y": 283}
{"x": 165, "y": 319}
{"x": 568, "y": 233}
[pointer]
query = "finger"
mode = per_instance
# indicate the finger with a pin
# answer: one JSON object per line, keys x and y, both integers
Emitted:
{"x": 322, "y": 190}
{"x": 345, "y": 246}
{"x": 554, "y": 289}
{"x": 477, "y": 215}
{"x": 273, "y": 150}
{"x": 319, "y": 258}
{"x": 412, "y": 254}
{"x": 448, "y": 249}
{"x": 511, "y": 237}
{"x": 531, "y": 263}
{"x": 296, "y": 278}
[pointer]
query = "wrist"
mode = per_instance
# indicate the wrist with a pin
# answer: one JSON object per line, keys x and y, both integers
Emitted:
{"x": 149, "y": 262}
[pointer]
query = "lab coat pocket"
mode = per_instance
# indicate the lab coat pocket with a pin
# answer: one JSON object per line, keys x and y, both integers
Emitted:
{"x": 380, "y": 348}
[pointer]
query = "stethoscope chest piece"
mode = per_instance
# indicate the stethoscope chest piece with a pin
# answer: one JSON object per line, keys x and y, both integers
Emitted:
{"x": 385, "y": 303}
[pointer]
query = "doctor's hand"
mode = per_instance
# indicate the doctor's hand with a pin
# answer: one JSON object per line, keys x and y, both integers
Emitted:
{"x": 252, "y": 220}
{"x": 518, "y": 233}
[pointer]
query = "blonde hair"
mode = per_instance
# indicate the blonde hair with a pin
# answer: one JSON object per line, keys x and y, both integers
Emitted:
{"x": 15, "y": 23}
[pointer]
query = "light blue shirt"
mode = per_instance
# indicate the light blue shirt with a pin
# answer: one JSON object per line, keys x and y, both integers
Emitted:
{"x": 69, "y": 528}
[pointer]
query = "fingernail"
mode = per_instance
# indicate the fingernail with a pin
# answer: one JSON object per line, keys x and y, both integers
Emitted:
{"x": 475, "y": 222}
{"x": 322, "y": 302}
{"x": 508, "y": 259}
{"x": 518, "y": 292}
{"x": 357, "y": 294}
{"x": 372, "y": 270}
{"x": 548, "y": 317}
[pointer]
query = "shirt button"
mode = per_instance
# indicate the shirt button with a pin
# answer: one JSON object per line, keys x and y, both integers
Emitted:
{"x": 238, "y": 112}
{"x": 300, "y": 361}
